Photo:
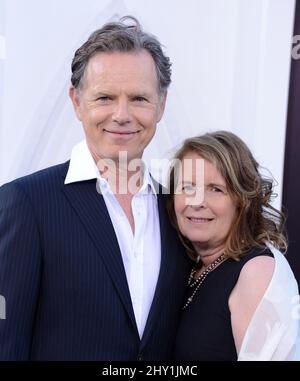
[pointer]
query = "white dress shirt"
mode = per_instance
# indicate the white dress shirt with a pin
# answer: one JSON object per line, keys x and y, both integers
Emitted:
{"x": 141, "y": 251}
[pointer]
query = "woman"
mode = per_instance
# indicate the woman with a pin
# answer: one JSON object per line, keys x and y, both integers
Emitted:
{"x": 242, "y": 301}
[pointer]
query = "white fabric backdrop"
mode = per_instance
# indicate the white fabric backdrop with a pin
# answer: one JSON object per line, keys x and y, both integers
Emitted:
{"x": 231, "y": 62}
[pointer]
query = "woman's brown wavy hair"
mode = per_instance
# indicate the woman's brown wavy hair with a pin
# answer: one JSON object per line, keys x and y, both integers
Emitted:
{"x": 257, "y": 221}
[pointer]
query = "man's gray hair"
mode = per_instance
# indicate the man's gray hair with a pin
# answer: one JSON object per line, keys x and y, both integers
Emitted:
{"x": 121, "y": 37}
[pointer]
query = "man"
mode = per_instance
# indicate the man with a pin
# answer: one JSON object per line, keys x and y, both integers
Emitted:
{"x": 90, "y": 271}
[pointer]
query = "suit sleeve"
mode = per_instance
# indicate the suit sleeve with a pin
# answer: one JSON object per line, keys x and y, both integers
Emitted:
{"x": 20, "y": 263}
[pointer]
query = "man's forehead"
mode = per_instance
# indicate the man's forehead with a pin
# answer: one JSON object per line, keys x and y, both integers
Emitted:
{"x": 121, "y": 59}
{"x": 111, "y": 70}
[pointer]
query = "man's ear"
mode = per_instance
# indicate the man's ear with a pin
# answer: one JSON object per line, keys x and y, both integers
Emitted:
{"x": 74, "y": 95}
{"x": 162, "y": 105}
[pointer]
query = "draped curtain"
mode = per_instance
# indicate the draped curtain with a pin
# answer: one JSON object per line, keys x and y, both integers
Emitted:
{"x": 231, "y": 65}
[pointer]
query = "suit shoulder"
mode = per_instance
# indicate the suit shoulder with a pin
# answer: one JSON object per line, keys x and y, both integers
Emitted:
{"x": 49, "y": 177}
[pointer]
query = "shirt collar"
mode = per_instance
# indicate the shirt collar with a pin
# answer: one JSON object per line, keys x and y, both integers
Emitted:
{"x": 83, "y": 167}
{"x": 148, "y": 185}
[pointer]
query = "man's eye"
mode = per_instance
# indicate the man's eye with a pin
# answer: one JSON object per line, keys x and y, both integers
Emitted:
{"x": 139, "y": 99}
{"x": 103, "y": 99}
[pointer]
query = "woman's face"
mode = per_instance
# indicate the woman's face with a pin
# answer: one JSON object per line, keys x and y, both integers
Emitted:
{"x": 204, "y": 209}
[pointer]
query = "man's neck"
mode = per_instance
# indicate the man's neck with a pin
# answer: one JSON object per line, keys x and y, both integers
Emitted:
{"x": 125, "y": 177}
{"x": 123, "y": 181}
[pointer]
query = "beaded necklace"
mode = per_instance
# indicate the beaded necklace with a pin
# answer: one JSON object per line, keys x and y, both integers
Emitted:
{"x": 192, "y": 282}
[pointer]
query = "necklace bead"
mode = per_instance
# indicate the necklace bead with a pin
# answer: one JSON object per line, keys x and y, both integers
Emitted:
{"x": 198, "y": 281}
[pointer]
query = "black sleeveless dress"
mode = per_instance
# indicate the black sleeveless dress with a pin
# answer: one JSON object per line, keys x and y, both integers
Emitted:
{"x": 204, "y": 332}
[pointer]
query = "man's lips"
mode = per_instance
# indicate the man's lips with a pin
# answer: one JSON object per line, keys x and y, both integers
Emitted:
{"x": 122, "y": 132}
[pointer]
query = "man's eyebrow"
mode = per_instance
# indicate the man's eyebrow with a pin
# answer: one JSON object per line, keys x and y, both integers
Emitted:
{"x": 139, "y": 94}
{"x": 102, "y": 92}
{"x": 131, "y": 94}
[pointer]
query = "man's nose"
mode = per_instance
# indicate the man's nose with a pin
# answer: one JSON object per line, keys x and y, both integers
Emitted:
{"x": 121, "y": 114}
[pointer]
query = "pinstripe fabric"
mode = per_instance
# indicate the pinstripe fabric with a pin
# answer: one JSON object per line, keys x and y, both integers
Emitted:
{"x": 63, "y": 279}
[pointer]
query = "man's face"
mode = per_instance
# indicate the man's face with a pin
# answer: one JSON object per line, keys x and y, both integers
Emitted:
{"x": 119, "y": 103}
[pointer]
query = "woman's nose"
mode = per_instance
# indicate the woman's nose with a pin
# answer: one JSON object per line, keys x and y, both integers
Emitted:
{"x": 198, "y": 200}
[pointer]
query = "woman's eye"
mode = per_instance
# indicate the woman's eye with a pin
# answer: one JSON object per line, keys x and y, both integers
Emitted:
{"x": 188, "y": 189}
{"x": 216, "y": 189}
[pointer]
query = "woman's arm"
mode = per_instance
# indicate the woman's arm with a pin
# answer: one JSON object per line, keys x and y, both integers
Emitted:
{"x": 247, "y": 294}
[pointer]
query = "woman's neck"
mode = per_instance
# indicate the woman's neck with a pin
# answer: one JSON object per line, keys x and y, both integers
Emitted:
{"x": 209, "y": 255}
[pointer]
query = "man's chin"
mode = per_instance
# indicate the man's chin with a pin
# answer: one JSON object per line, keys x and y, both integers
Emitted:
{"x": 122, "y": 156}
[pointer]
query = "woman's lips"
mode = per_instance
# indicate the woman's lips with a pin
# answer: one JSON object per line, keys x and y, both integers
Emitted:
{"x": 199, "y": 220}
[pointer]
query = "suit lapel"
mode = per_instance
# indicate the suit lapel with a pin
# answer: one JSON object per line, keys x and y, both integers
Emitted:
{"x": 167, "y": 268}
{"x": 91, "y": 209}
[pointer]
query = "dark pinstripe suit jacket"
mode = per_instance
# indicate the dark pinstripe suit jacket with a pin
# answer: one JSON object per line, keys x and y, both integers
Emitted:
{"x": 63, "y": 279}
